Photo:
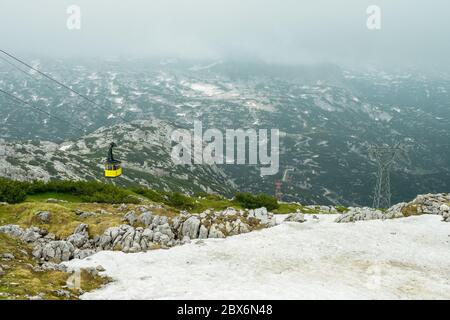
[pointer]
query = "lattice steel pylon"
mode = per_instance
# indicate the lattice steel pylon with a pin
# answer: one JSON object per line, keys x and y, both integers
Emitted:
{"x": 384, "y": 157}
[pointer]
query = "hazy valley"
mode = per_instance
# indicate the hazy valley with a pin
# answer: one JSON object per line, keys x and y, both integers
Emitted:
{"x": 328, "y": 118}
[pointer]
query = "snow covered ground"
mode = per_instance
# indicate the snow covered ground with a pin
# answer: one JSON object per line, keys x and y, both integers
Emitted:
{"x": 394, "y": 259}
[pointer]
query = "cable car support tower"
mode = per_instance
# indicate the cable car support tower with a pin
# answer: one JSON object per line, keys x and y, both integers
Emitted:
{"x": 384, "y": 156}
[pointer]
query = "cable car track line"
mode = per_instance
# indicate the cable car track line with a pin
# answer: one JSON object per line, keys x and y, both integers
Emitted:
{"x": 14, "y": 98}
{"x": 17, "y": 67}
{"x": 117, "y": 168}
{"x": 34, "y": 78}
{"x": 64, "y": 86}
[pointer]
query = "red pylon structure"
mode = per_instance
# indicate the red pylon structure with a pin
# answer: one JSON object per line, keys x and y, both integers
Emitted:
{"x": 278, "y": 192}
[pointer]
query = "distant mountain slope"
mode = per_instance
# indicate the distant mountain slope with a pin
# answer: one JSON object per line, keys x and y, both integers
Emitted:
{"x": 328, "y": 118}
{"x": 145, "y": 153}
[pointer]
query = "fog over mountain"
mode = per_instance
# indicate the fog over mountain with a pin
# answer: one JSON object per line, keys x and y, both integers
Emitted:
{"x": 313, "y": 70}
{"x": 413, "y": 33}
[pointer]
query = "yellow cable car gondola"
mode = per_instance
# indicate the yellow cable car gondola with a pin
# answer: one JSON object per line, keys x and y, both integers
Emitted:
{"x": 113, "y": 167}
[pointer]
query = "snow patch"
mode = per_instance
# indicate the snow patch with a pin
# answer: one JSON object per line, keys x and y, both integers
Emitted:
{"x": 206, "y": 89}
{"x": 319, "y": 259}
{"x": 65, "y": 147}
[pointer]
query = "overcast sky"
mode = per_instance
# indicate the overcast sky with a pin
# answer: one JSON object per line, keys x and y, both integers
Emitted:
{"x": 413, "y": 32}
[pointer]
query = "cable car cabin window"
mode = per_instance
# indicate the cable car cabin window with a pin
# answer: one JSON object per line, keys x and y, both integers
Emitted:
{"x": 112, "y": 166}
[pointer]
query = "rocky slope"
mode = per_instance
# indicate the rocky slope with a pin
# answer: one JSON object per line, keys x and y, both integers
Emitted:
{"x": 24, "y": 277}
{"x": 67, "y": 231}
{"x": 143, "y": 230}
{"x": 405, "y": 258}
{"x": 144, "y": 146}
{"x": 434, "y": 204}
{"x": 328, "y": 118}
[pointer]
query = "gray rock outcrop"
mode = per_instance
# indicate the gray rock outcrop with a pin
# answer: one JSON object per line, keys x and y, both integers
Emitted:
{"x": 265, "y": 218}
{"x": 215, "y": 232}
{"x": 154, "y": 231}
{"x": 191, "y": 227}
{"x": 12, "y": 230}
{"x": 146, "y": 218}
{"x": 54, "y": 251}
{"x": 44, "y": 216}
{"x": 295, "y": 217}
{"x": 130, "y": 217}
{"x": 434, "y": 204}
{"x": 360, "y": 214}
{"x": 31, "y": 234}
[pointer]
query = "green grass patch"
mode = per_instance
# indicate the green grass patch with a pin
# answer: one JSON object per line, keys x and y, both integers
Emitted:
{"x": 285, "y": 208}
{"x": 214, "y": 202}
{"x": 12, "y": 191}
{"x": 86, "y": 191}
{"x": 64, "y": 218}
{"x": 342, "y": 209}
{"x": 43, "y": 197}
{"x": 249, "y": 201}
{"x": 96, "y": 192}
{"x": 411, "y": 210}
